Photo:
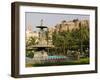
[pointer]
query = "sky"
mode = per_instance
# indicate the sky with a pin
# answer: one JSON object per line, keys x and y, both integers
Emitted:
{"x": 50, "y": 19}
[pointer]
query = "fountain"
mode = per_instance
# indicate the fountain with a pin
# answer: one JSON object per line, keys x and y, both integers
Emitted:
{"x": 42, "y": 46}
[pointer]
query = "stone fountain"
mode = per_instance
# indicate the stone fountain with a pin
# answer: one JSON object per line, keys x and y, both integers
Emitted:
{"x": 43, "y": 45}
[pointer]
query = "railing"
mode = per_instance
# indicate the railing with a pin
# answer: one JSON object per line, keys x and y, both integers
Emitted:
{"x": 46, "y": 60}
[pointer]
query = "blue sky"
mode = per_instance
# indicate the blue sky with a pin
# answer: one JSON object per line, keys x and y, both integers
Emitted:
{"x": 50, "y": 19}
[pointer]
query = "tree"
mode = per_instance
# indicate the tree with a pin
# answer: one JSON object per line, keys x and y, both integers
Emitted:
{"x": 29, "y": 54}
{"x": 76, "y": 39}
{"x": 84, "y": 38}
{"x": 30, "y": 41}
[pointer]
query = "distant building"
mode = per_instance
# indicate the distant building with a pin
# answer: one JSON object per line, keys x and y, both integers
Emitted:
{"x": 31, "y": 33}
{"x": 71, "y": 25}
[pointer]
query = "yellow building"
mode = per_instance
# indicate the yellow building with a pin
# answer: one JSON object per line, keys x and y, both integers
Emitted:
{"x": 71, "y": 25}
{"x": 31, "y": 33}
